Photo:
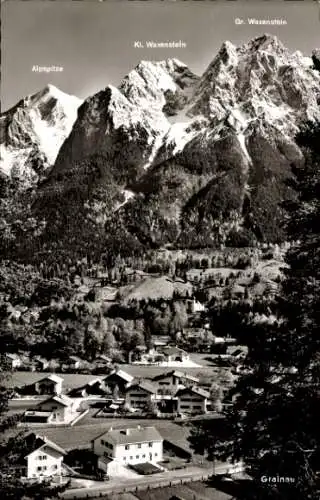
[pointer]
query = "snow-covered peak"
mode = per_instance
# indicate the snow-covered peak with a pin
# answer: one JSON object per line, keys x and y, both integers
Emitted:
{"x": 265, "y": 42}
{"x": 262, "y": 78}
{"x": 38, "y": 123}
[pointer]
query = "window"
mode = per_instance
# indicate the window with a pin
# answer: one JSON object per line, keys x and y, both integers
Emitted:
{"x": 39, "y": 468}
{"x": 44, "y": 467}
{"x": 150, "y": 445}
{"x": 139, "y": 445}
{"x": 127, "y": 446}
{"x": 143, "y": 456}
{"x": 137, "y": 456}
{"x": 131, "y": 458}
{"x": 156, "y": 454}
{"x": 124, "y": 458}
{"x": 42, "y": 457}
{"x": 54, "y": 466}
{"x": 102, "y": 442}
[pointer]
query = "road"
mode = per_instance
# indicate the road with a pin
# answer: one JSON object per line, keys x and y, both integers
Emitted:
{"x": 143, "y": 482}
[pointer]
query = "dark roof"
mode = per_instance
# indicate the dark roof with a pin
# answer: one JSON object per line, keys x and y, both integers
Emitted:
{"x": 62, "y": 400}
{"x": 143, "y": 384}
{"x": 52, "y": 377}
{"x": 131, "y": 435}
{"x": 175, "y": 373}
{"x": 172, "y": 350}
{"x": 35, "y": 442}
{"x": 194, "y": 390}
{"x": 121, "y": 374}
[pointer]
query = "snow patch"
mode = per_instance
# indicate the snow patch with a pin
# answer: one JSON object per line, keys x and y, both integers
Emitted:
{"x": 242, "y": 141}
{"x": 156, "y": 145}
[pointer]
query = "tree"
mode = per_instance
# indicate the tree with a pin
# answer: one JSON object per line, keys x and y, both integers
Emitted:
{"x": 216, "y": 397}
{"x": 108, "y": 342}
{"x": 115, "y": 393}
{"x": 273, "y": 424}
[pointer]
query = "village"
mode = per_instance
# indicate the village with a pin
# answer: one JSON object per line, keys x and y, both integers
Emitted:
{"x": 130, "y": 422}
{"x": 118, "y": 411}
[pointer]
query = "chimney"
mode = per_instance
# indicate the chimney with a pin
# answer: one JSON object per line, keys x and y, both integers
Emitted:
{"x": 111, "y": 429}
{"x": 127, "y": 432}
{"x": 139, "y": 427}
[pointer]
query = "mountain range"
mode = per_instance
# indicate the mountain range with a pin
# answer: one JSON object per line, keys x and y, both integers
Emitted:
{"x": 168, "y": 158}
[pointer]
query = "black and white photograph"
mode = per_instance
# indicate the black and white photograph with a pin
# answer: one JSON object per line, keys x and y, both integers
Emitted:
{"x": 160, "y": 250}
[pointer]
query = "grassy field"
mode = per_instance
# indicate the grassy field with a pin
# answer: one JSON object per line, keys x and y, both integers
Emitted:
{"x": 71, "y": 380}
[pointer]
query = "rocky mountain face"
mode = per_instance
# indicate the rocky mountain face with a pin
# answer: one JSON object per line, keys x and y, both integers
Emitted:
{"x": 32, "y": 132}
{"x": 170, "y": 158}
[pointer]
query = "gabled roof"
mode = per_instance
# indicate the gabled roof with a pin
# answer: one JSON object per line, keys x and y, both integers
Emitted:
{"x": 172, "y": 350}
{"x": 143, "y": 384}
{"x": 103, "y": 357}
{"x": 35, "y": 442}
{"x": 120, "y": 373}
{"x": 52, "y": 377}
{"x": 176, "y": 373}
{"x": 236, "y": 350}
{"x": 76, "y": 358}
{"x": 61, "y": 399}
{"x": 194, "y": 390}
{"x": 32, "y": 413}
{"x": 131, "y": 435}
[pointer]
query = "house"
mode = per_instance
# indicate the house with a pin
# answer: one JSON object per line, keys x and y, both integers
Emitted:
{"x": 192, "y": 400}
{"x": 75, "y": 363}
{"x": 160, "y": 340}
{"x": 195, "y": 307}
{"x": 102, "y": 361}
{"x": 237, "y": 351}
{"x": 54, "y": 410}
{"x": 118, "y": 380}
{"x": 173, "y": 379}
{"x": 117, "y": 448}
{"x": 41, "y": 364}
{"x": 39, "y": 459}
{"x": 140, "y": 394}
{"x": 174, "y": 354}
{"x": 12, "y": 361}
{"x": 51, "y": 384}
{"x": 93, "y": 388}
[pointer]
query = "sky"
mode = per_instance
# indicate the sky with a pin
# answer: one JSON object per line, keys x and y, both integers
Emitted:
{"x": 94, "y": 41}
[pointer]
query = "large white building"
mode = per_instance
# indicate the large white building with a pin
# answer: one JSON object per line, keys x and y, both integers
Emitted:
{"x": 121, "y": 447}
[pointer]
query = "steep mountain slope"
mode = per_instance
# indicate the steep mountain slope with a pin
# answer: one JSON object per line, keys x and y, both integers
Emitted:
{"x": 32, "y": 132}
{"x": 171, "y": 158}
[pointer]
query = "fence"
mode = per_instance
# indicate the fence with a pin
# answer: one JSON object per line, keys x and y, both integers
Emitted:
{"x": 141, "y": 487}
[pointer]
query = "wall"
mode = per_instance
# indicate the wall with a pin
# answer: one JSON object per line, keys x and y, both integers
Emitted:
{"x": 129, "y": 456}
{"x": 191, "y": 403}
{"x": 52, "y": 464}
{"x": 60, "y": 412}
{"x": 138, "y": 398}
